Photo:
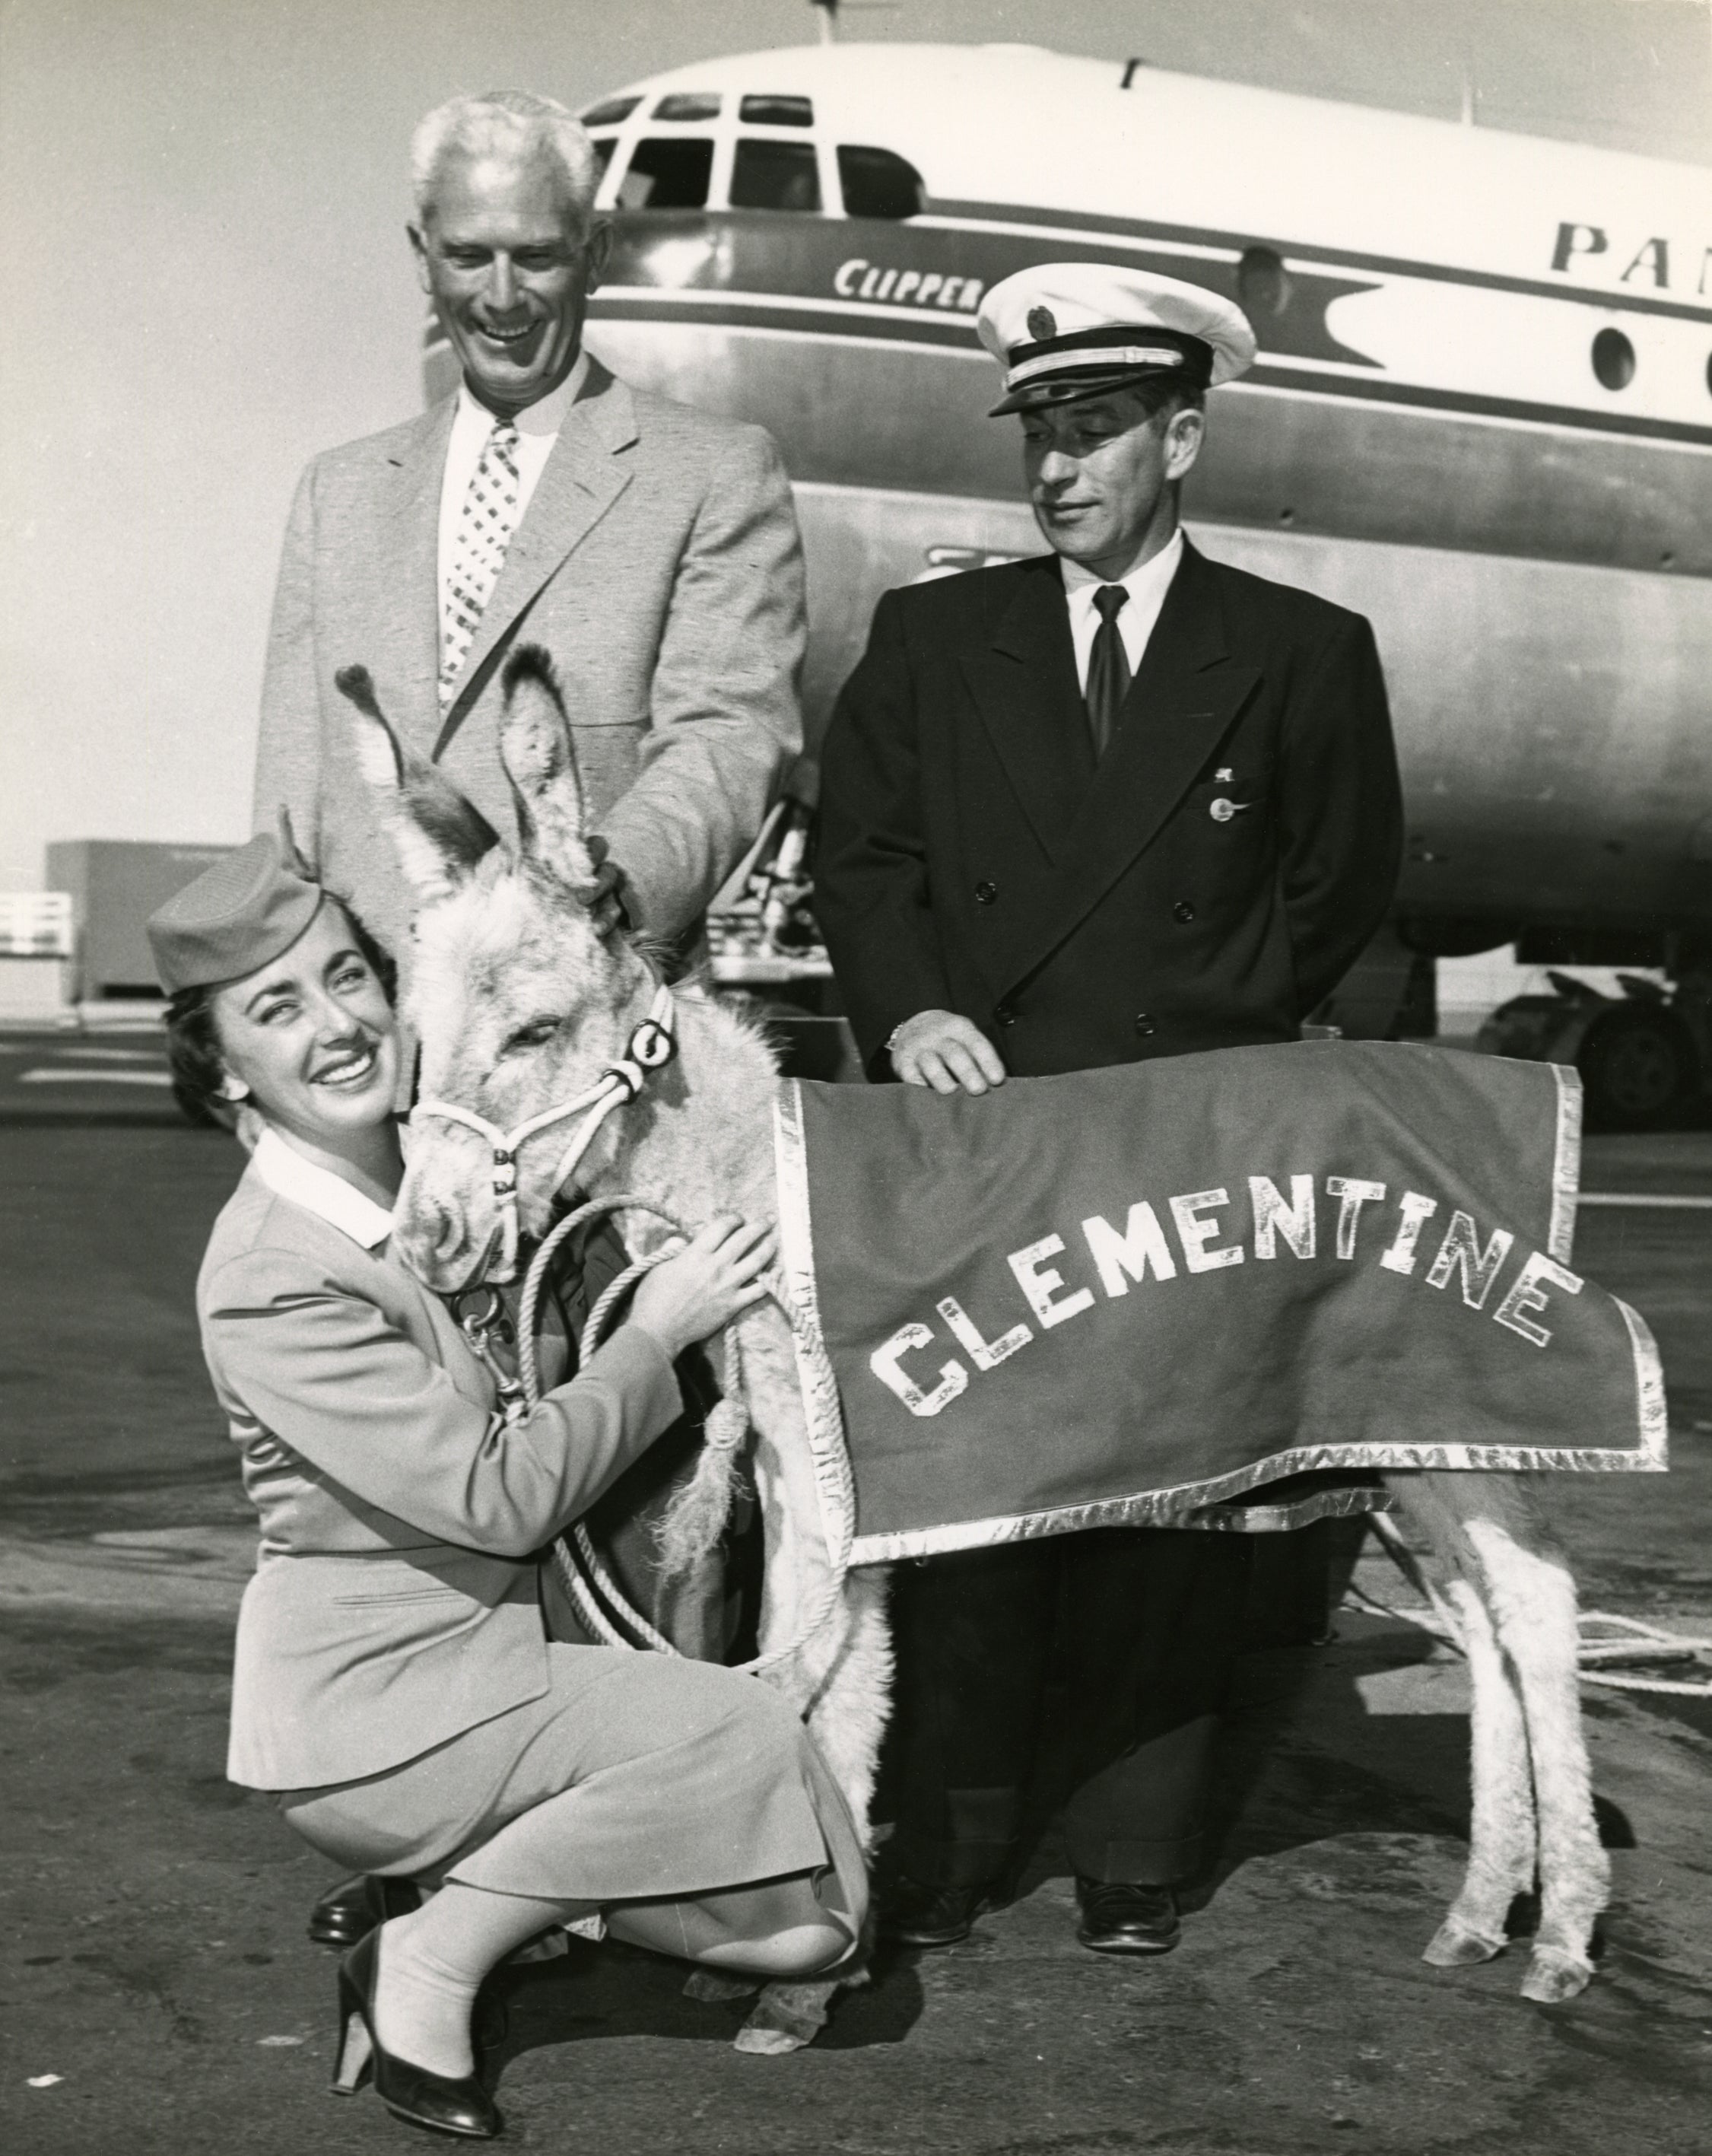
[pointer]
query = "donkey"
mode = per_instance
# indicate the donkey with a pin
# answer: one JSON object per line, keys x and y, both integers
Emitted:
{"x": 521, "y": 996}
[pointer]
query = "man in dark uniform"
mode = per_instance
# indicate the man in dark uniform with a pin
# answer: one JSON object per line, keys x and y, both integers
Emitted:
{"x": 1117, "y": 802}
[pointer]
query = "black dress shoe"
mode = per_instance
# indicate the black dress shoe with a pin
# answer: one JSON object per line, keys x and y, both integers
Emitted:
{"x": 1120, "y": 1918}
{"x": 444, "y": 2103}
{"x": 917, "y": 1915}
{"x": 350, "y": 1911}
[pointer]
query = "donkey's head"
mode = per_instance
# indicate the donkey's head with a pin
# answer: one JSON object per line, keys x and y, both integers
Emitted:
{"x": 519, "y": 995}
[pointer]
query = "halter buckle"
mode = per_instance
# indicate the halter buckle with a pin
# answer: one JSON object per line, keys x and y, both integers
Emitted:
{"x": 652, "y": 1044}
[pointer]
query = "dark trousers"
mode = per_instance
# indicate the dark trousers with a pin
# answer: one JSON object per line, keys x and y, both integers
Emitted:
{"x": 1135, "y": 1627}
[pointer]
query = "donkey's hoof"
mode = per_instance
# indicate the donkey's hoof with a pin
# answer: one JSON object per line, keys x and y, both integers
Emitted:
{"x": 1453, "y": 1946}
{"x": 712, "y": 1987}
{"x": 1552, "y": 1978}
{"x": 768, "y": 2043}
{"x": 785, "y": 2018}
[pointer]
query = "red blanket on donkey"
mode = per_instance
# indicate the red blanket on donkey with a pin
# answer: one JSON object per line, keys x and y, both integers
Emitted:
{"x": 1126, "y": 1294}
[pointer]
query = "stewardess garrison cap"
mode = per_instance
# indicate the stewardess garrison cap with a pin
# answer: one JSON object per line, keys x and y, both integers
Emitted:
{"x": 242, "y": 913}
{"x": 1069, "y": 330}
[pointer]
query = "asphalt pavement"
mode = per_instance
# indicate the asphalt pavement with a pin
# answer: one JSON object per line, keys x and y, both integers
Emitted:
{"x": 156, "y": 1992}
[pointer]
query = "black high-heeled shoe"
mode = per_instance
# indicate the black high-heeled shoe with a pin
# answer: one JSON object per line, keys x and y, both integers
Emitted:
{"x": 438, "y": 2102}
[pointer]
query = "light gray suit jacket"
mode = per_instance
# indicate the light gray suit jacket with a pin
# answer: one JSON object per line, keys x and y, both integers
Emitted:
{"x": 659, "y": 563}
{"x": 395, "y": 1603}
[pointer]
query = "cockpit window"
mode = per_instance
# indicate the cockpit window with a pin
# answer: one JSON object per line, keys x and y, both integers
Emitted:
{"x": 777, "y": 111}
{"x": 768, "y": 174}
{"x": 668, "y": 174}
{"x": 610, "y": 111}
{"x": 689, "y": 105}
{"x": 879, "y": 183}
{"x": 604, "y": 146}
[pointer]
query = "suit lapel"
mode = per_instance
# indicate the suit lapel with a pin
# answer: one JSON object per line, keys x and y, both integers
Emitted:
{"x": 405, "y": 615}
{"x": 1025, "y": 688}
{"x": 582, "y": 478}
{"x": 1180, "y": 706}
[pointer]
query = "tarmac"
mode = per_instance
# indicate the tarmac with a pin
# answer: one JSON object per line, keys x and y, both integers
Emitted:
{"x": 157, "y": 1992}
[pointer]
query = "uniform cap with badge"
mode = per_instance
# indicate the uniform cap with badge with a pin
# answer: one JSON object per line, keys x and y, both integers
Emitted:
{"x": 1065, "y": 331}
{"x": 246, "y": 911}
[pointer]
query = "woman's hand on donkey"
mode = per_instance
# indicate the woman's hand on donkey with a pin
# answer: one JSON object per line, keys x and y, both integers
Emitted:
{"x": 706, "y": 1284}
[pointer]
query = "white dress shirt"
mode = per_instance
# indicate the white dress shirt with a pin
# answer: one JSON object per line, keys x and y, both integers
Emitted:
{"x": 288, "y": 1174}
{"x": 537, "y": 430}
{"x": 1147, "y": 585}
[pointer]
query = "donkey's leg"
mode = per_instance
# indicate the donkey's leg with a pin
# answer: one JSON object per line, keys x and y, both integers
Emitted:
{"x": 1531, "y": 1593}
{"x": 839, "y": 1678}
{"x": 1501, "y": 1843}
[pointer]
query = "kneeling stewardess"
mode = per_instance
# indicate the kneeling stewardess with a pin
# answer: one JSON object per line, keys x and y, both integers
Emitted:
{"x": 395, "y": 1685}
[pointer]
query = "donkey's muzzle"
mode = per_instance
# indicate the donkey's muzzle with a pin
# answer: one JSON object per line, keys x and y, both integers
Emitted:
{"x": 436, "y": 1242}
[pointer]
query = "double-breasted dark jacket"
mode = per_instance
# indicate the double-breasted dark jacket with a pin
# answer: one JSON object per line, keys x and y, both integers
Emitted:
{"x": 1204, "y": 886}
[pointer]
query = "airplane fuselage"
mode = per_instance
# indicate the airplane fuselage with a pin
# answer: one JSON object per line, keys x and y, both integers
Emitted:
{"x": 1482, "y": 412}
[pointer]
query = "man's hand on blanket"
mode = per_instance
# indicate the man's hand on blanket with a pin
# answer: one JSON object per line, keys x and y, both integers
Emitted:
{"x": 706, "y": 1284}
{"x": 938, "y": 1048}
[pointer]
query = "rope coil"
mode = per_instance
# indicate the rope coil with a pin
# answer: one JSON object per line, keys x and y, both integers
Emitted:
{"x": 578, "y": 1563}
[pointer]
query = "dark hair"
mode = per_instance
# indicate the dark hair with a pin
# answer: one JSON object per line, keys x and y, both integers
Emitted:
{"x": 193, "y": 1041}
{"x": 1160, "y": 392}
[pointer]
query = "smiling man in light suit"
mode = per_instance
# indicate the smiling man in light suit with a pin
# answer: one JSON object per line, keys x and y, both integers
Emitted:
{"x": 653, "y": 550}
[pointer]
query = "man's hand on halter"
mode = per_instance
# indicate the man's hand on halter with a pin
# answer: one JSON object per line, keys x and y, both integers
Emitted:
{"x": 938, "y": 1048}
{"x": 706, "y": 1284}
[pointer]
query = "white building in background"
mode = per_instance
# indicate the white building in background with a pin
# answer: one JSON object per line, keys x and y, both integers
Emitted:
{"x": 36, "y": 946}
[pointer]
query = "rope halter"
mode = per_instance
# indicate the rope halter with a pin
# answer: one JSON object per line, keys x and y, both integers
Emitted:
{"x": 652, "y": 1045}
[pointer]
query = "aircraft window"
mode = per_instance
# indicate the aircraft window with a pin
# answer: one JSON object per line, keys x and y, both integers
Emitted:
{"x": 689, "y": 105}
{"x": 667, "y": 174}
{"x": 1262, "y": 284}
{"x": 610, "y": 111}
{"x": 604, "y": 146}
{"x": 1613, "y": 359}
{"x": 879, "y": 183}
{"x": 767, "y": 175}
{"x": 777, "y": 111}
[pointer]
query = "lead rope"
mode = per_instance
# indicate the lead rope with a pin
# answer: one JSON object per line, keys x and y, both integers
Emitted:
{"x": 724, "y": 1435}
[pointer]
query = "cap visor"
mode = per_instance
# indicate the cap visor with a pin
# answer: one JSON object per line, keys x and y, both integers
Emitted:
{"x": 1032, "y": 396}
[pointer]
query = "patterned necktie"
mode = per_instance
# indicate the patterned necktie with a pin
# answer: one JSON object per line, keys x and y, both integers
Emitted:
{"x": 484, "y": 529}
{"x": 1108, "y": 668}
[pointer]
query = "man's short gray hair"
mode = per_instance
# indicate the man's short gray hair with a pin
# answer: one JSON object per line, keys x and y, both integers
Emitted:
{"x": 497, "y": 120}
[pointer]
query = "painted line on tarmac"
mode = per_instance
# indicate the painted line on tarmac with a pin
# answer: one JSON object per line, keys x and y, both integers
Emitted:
{"x": 93, "y": 1078}
{"x": 1654, "y": 1201}
{"x": 161, "y": 1571}
{"x": 107, "y": 1055}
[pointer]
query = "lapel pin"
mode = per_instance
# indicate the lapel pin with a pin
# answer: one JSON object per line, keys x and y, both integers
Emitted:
{"x": 1224, "y": 808}
{"x": 1224, "y": 775}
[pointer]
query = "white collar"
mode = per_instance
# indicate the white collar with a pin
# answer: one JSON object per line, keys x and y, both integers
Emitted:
{"x": 1147, "y": 584}
{"x": 544, "y": 418}
{"x": 290, "y": 1174}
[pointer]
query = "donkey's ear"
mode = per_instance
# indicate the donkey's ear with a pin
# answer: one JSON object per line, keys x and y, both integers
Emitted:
{"x": 439, "y": 835}
{"x": 290, "y": 852}
{"x": 534, "y": 747}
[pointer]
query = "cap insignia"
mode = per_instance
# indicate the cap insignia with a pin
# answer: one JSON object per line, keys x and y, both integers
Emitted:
{"x": 1042, "y": 324}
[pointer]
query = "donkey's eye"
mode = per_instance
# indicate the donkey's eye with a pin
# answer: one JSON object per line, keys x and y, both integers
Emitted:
{"x": 535, "y": 1034}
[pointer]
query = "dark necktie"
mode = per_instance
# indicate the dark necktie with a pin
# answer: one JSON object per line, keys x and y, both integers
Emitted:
{"x": 1108, "y": 668}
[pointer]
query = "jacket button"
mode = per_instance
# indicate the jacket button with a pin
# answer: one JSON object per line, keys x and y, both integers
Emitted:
{"x": 985, "y": 892}
{"x": 1183, "y": 911}
{"x": 1002, "y": 1014}
{"x": 1144, "y": 1024}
